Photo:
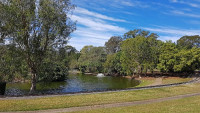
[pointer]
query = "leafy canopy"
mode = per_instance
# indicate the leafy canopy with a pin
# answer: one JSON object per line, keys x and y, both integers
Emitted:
{"x": 36, "y": 26}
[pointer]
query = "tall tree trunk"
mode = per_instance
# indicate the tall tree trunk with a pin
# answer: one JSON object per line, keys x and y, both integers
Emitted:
{"x": 33, "y": 82}
{"x": 146, "y": 72}
{"x": 133, "y": 76}
{"x": 139, "y": 71}
{"x": 152, "y": 72}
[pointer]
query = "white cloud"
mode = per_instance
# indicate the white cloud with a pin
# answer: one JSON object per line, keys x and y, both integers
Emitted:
{"x": 169, "y": 33}
{"x": 161, "y": 5}
{"x": 96, "y": 24}
{"x": 172, "y": 38}
{"x": 134, "y": 3}
{"x": 185, "y": 14}
{"x": 93, "y": 28}
{"x": 97, "y": 15}
{"x": 126, "y": 3}
{"x": 87, "y": 36}
{"x": 173, "y": 31}
{"x": 195, "y": 5}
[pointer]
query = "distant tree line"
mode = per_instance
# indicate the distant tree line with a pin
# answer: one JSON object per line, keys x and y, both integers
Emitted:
{"x": 138, "y": 52}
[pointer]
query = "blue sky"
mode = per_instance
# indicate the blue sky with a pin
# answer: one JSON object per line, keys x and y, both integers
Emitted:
{"x": 98, "y": 20}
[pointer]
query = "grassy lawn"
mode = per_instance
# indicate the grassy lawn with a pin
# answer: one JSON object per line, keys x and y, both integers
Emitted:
{"x": 171, "y": 80}
{"x": 94, "y": 99}
{"x": 146, "y": 81}
{"x": 186, "y": 105}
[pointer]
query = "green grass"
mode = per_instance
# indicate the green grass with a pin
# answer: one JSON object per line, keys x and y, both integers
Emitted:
{"x": 186, "y": 105}
{"x": 94, "y": 99}
{"x": 169, "y": 80}
{"x": 172, "y": 80}
{"x": 146, "y": 82}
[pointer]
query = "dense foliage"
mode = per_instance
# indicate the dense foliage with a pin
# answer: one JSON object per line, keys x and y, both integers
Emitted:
{"x": 92, "y": 59}
{"x": 140, "y": 52}
{"x": 113, "y": 64}
{"x": 113, "y": 45}
{"x": 173, "y": 59}
{"x": 54, "y": 67}
{"x": 139, "y": 32}
{"x": 13, "y": 65}
{"x": 35, "y": 27}
{"x": 188, "y": 42}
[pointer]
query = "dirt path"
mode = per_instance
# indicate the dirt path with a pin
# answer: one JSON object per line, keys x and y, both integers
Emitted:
{"x": 74, "y": 109}
{"x": 158, "y": 81}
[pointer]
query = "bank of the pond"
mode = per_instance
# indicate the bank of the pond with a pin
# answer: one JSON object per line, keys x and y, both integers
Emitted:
{"x": 54, "y": 87}
{"x": 194, "y": 80}
{"x": 66, "y": 101}
{"x": 74, "y": 84}
{"x": 150, "y": 81}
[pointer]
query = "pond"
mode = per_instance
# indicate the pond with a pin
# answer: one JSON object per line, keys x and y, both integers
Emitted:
{"x": 74, "y": 84}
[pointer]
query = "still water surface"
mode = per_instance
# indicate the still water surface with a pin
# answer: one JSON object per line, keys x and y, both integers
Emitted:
{"x": 74, "y": 84}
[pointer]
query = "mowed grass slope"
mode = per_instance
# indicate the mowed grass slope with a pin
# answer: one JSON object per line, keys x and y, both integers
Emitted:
{"x": 185, "y": 105}
{"x": 171, "y": 80}
{"x": 146, "y": 81}
{"x": 94, "y": 99}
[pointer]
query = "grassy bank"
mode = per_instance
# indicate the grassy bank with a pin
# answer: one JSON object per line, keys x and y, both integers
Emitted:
{"x": 145, "y": 81}
{"x": 94, "y": 99}
{"x": 186, "y": 105}
{"x": 171, "y": 80}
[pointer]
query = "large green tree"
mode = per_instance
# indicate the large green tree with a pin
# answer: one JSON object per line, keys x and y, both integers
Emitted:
{"x": 187, "y": 60}
{"x": 167, "y": 58}
{"x": 73, "y": 56}
{"x": 172, "y": 59}
{"x": 55, "y": 65}
{"x": 140, "y": 54}
{"x": 188, "y": 42}
{"x": 113, "y": 44}
{"x": 139, "y": 32}
{"x": 113, "y": 64}
{"x": 92, "y": 59}
{"x": 69, "y": 56}
{"x": 12, "y": 64}
{"x": 35, "y": 26}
